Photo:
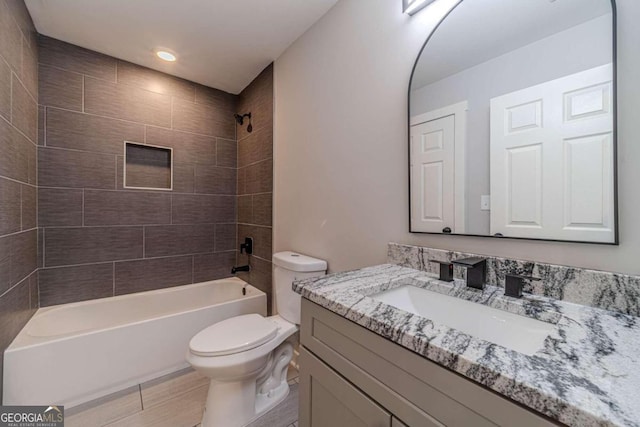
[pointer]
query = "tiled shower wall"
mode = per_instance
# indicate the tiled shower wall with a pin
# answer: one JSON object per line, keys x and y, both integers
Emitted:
{"x": 18, "y": 134}
{"x": 99, "y": 238}
{"x": 255, "y": 179}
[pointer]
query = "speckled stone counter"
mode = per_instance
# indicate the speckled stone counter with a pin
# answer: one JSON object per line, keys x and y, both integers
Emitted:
{"x": 587, "y": 373}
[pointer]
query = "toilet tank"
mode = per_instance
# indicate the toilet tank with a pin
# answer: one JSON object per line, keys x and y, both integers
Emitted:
{"x": 290, "y": 266}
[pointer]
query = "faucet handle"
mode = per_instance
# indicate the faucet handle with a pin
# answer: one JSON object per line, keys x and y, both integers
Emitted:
{"x": 514, "y": 283}
{"x": 476, "y": 271}
{"x": 446, "y": 270}
{"x": 470, "y": 262}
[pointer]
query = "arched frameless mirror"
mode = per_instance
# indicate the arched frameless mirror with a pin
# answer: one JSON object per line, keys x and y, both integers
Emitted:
{"x": 512, "y": 127}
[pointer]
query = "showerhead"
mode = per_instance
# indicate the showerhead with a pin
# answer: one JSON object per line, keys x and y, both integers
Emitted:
{"x": 240, "y": 120}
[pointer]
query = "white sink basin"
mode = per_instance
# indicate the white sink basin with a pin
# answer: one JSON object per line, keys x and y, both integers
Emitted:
{"x": 519, "y": 333}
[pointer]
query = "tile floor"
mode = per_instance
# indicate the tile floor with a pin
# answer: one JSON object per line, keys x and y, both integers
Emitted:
{"x": 175, "y": 400}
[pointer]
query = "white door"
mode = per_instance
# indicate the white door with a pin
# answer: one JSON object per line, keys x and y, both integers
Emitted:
{"x": 432, "y": 175}
{"x": 552, "y": 159}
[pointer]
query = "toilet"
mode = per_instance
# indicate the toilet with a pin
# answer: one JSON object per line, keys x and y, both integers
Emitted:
{"x": 246, "y": 357}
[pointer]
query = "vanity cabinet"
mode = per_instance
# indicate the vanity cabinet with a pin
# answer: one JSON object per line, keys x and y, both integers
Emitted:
{"x": 350, "y": 376}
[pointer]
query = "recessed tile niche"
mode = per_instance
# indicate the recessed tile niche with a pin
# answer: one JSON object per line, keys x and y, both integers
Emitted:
{"x": 147, "y": 166}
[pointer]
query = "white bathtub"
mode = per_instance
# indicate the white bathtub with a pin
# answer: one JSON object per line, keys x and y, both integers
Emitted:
{"x": 73, "y": 353}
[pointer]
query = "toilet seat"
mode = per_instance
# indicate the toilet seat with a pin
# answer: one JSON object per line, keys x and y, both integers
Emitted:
{"x": 234, "y": 335}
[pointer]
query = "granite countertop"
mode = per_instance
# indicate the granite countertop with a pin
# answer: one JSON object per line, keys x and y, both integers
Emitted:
{"x": 587, "y": 373}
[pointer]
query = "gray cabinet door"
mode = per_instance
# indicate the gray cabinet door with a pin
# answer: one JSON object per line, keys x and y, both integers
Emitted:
{"x": 328, "y": 400}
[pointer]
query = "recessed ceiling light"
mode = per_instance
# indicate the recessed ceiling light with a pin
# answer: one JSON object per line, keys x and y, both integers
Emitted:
{"x": 167, "y": 56}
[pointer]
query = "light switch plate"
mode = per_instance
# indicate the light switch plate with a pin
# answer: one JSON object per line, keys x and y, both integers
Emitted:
{"x": 485, "y": 203}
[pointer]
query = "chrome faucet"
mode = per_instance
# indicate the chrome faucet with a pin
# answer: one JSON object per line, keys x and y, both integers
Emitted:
{"x": 476, "y": 271}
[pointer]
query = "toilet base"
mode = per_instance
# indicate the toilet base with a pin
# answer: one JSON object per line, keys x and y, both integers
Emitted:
{"x": 238, "y": 403}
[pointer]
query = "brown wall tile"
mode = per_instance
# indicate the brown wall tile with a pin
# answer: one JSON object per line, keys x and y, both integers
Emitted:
{"x": 9, "y": 206}
{"x": 32, "y": 163}
{"x": 76, "y": 169}
{"x": 245, "y": 209}
{"x": 126, "y": 208}
{"x": 226, "y": 237}
{"x": 41, "y": 124}
{"x": 155, "y": 81}
{"x": 29, "y": 207}
{"x": 144, "y": 275}
{"x": 215, "y": 180}
{"x": 5, "y": 264}
{"x": 24, "y": 110}
{"x": 183, "y": 178}
{"x": 263, "y": 209}
{"x": 204, "y": 119}
{"x": 40, "y": 247}
{"x": 23, "y": 254}
{"x": 255, "y": 147}
{"x": 20, "y": 13}
{"x": 69, "y": 246}
{"x": 126, "y": 102}
{"x": 34, "y": 290}
{"x": 85, "y": 132}
{"x": 257, "y": 98}
{"x": 208, "y": 95}
{"x": 10, "y": 38}
{"x": 167, "y": 240}
{"x": 14, "y": 149}
{"x": 59, "y": 207}
{"x": 30, "y": 66}
{"x": 60, "y": 88}
{"x": 213, "y": 266}
{"x": 84, "y": 150}
{"x": 227, "y": 153}
{"x": 242, "y": 181}
{"x": 5, "y": 90}
{"x": 203, "y": 209}
{"x": 74, "y": 58}
{"x": 262, "y": 239}
{"x": 187, "y": 147}
{"x": 259, "y": 177}
{"x": 62, "y": 285}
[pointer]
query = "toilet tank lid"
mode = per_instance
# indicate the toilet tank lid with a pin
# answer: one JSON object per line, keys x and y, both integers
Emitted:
{"x": 293, "y": 261}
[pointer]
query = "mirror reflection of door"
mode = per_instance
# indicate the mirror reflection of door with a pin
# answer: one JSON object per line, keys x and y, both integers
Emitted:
{"x": 437, "y": 170}
{"x": 552, "y": 159}
{"x": 538, "y": 161}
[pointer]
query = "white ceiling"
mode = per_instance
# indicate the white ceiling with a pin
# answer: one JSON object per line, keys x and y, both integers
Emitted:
{"x": 479, "y": 30}
{"x": 219, "y": 43}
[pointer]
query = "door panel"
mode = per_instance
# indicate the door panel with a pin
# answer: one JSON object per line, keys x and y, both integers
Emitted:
{"x": 432, "y": 175}
{"x": 552, "y": 159}
{"x": 524, "y": 180}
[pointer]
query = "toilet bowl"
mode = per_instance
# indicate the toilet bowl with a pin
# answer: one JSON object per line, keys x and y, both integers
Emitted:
{"x": 246, "y": 357}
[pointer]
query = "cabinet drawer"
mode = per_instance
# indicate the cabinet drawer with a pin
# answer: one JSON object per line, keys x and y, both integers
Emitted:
{"x": 416, "y": 390}
{"x": 328, "y": 400}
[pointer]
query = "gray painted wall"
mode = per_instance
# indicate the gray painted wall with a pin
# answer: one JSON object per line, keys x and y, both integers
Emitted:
{"x": 340, "y": 171}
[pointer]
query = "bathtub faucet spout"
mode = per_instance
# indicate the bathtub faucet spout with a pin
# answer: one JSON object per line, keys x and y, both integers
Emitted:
{"x": 234, "y": 270}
